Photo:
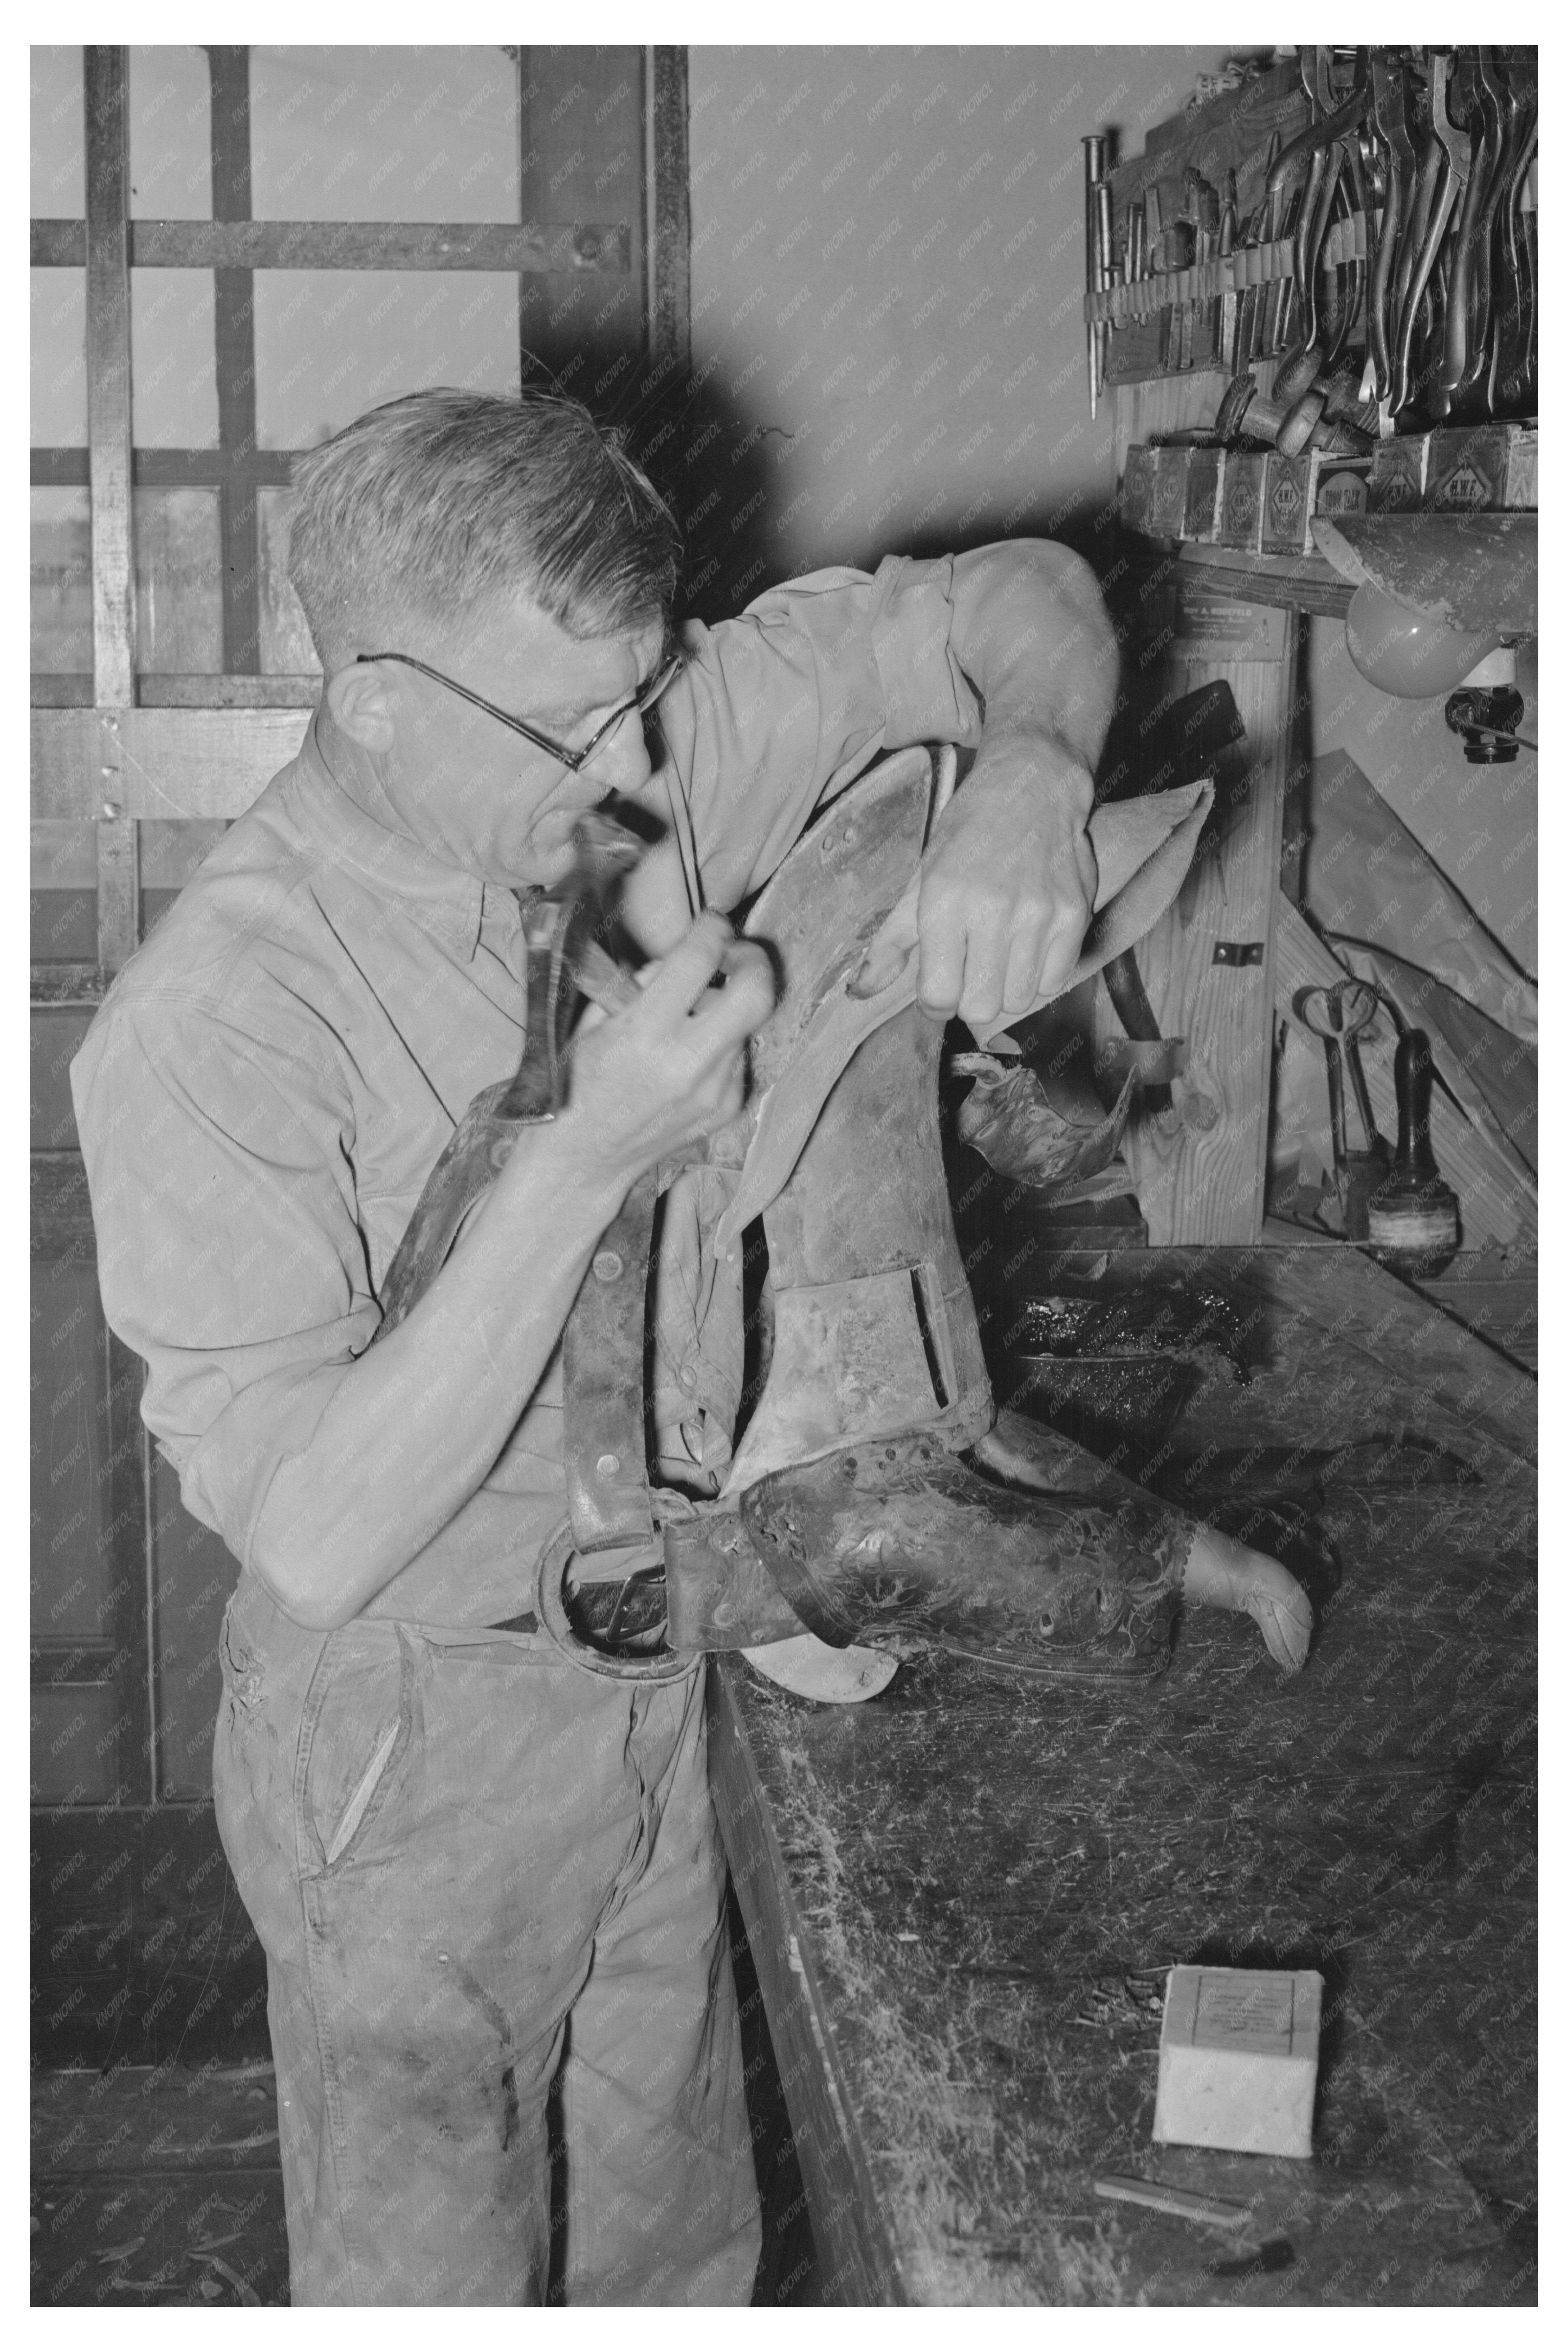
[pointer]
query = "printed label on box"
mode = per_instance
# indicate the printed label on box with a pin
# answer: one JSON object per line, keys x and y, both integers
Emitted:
{"x": 1242, "y": 523}
{"x": 1341, "y": 493}
{"x": 1222, "y": 628}
{"x": 1468, "y": 469}
{"x": 1206, "y": 475}
{"x": 1288, "y": 508}
{"x": 1238, "y": 2009}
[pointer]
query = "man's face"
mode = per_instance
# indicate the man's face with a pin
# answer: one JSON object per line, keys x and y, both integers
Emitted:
{"x": 483, "y": 798}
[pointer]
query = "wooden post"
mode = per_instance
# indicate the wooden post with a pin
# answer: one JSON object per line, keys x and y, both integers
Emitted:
{"x": 109, "y": 481}
{"x": 668, "y": 210}
{"x": 235, "y": 328}
{"x": 107, "y": 74}
{"x": 1208, "y": 963}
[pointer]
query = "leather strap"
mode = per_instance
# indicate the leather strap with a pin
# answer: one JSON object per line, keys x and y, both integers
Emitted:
{"x": 604, "y": 1445}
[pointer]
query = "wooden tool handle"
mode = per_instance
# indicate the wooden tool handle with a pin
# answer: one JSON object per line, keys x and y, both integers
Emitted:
{"x": 1413, "y": 1088}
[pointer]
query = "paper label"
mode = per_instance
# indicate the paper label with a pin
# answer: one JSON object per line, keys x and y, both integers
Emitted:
{"x": 1245, "y": 2010}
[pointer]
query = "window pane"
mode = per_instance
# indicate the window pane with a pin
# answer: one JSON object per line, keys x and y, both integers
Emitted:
{"x": 68, "y": 1483}
{"x": 285, "y": 640}
{"x": 174, "y": 374}
{"x": 59, "y": 170}
{"x": 331, "y": 343}
{"x": 59, "y": 359}
{"x": 64, "y": 891}
{"x": 171, "y": 137}
{"x": 172, "y": 849}
{"x": 75, "y": 1733}
{"x": 62, "y": 582}
{"x": 383, "y": 134}
{"x": 179, "y": 582}
{"x": 56, "y": 1032}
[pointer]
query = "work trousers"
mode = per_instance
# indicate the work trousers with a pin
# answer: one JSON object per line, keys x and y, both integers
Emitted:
{"x": 468, "y": 1860}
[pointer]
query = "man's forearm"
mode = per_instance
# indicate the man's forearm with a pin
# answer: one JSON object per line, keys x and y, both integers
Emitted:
{"x": 418, "y": 1421}
{"x": 1030, "y": 631}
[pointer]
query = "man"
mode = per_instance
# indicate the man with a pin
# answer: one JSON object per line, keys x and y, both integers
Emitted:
{"x": 467, "y": 1861}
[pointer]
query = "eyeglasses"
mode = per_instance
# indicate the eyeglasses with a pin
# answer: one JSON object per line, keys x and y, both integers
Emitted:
{"x": 642, "y": 701}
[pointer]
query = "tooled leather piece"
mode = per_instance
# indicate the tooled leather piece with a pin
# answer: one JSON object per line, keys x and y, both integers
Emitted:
{"x": 899, "y": 1541}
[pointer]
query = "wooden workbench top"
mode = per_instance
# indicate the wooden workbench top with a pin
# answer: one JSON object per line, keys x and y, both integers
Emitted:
{"x": 962, "y": 1897}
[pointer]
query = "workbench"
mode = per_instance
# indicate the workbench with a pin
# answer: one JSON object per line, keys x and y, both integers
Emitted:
{"x": 962, "y": 1897}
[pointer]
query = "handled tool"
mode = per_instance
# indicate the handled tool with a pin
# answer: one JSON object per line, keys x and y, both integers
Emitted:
{"x": 1252, "y": 325}
{"x": 1471, "y": 395}
{"x": 1413, "y": 1218}
{"x": 1443, "y": 177}
{"x": 1093, "y": 172}
{"x": 1510, "y": 382}
{"x": 1392, "y": 132}
{"x": 1323, "y": 143}
{"x": 1489, "y": 284}
{"x": 1204, "y": 212}
{"x": 564, "y": 961}
{"x": 1229, "y": 301}
{"x": 1104, "y": 239}
{"x": 1338, "y": 1014}
{"x": 1473, "y": 108}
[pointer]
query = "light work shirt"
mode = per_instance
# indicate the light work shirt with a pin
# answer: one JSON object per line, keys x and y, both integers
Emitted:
{"x": 272, "y": 1078}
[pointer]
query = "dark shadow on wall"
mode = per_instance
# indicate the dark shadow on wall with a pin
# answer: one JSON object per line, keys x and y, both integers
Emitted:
{"x": 718, "y": 466}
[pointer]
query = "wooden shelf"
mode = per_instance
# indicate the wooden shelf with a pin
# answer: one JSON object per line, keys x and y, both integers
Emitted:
{"x": 1305, "y": 582}
{"x": 1473, "y": 570}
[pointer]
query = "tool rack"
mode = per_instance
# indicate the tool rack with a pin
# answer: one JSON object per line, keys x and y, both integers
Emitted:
{"x": 1206, "y": 611}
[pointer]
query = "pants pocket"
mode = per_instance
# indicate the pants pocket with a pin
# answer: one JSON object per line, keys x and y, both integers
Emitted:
{"x": 247, "y": 1744}
{"x": 359, "y": 1745}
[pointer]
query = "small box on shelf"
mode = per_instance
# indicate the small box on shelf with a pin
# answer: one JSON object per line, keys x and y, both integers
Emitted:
{"x": 1397, "y": 483}
{"x": 1241, "y": 509}
{"x": 1289, "y": 493}
{"x": 1481, "y": 468}
{"x": 1137, "y": 501}
{"x": 1170, "y": 502}
{"x": 1206, "y": 494}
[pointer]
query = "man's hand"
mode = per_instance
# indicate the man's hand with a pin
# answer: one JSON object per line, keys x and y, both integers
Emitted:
{"x": 671, "y": 1067}
{"x": 999, "y": 907}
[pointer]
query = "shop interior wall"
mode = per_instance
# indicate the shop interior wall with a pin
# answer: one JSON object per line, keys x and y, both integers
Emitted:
{"x": 886, "y": 279}
{"x": 886, "y": 291}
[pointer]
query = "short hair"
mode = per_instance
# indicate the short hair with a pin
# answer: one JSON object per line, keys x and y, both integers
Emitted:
{"x": 429, "y": 507}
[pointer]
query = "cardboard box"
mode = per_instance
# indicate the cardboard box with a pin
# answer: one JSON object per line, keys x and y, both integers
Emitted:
{"x": 1522, "y": 487}
{"x": 1241, "y": 513}
{"x": 1397, "y": 484}
{"x": 1206, "y": 491}
{"x": 1170, "y": 505}
{"x": 1482, "y": 468}
{"x": 1239, "y": 2059}
{"x": 1138, "y": 488}
{"x": 1289, "y": 491}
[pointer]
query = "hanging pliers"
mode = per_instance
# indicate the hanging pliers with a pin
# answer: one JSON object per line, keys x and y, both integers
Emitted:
{"x": 1479, "y": 104}
{"x": 1441, "y": 179}
{"x": 1510, "y": 379}
{"x": 1487, "y": 292}
{"x": 1323, "y": 144}
{"x": 1391, "y": 132}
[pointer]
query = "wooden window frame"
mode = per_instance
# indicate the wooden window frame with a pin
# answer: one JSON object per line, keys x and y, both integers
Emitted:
{"x": 116, "y": 749}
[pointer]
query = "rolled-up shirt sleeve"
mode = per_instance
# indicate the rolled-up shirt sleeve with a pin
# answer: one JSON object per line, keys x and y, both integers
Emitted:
{"x": 230, "y": 1254}
{"x": 778, "y": 711}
